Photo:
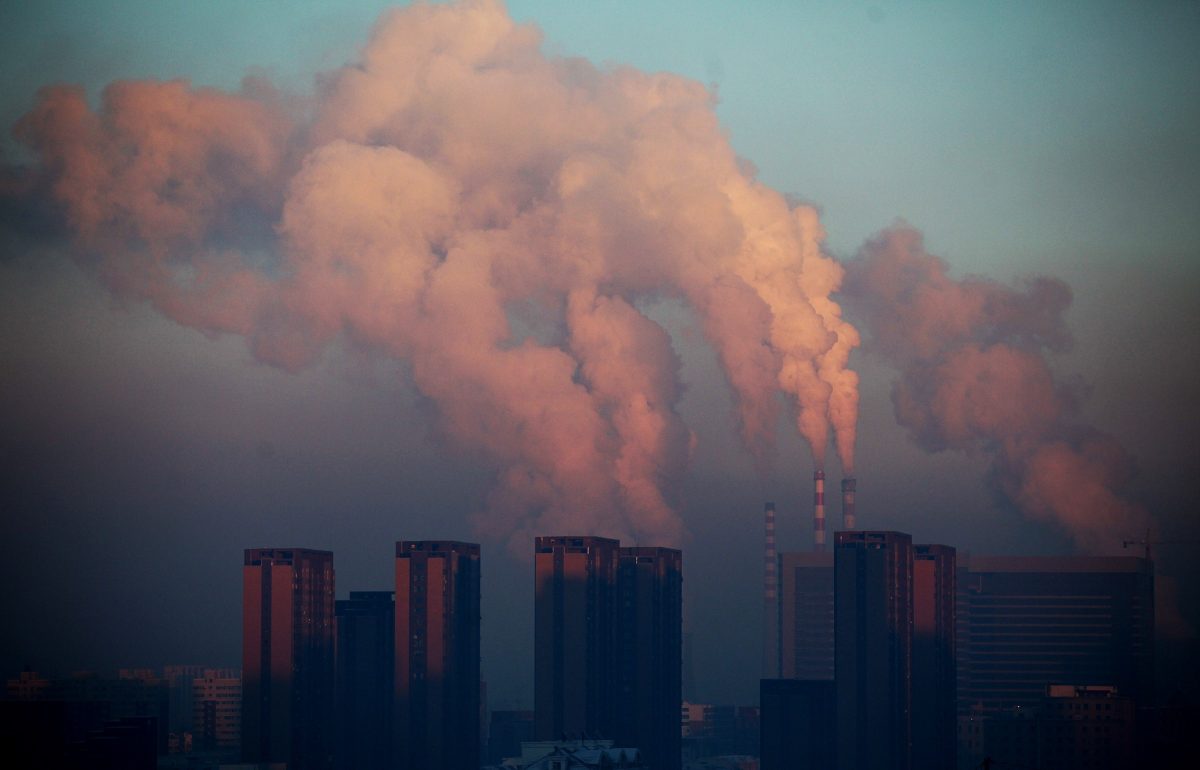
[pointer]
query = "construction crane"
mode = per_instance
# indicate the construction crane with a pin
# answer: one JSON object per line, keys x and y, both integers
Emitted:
{"x": 1147, "y": 542}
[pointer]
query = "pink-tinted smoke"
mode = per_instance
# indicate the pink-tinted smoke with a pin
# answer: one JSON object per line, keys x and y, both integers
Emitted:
{"x": 423, "y": 200}
{"x": 975, "y": 377}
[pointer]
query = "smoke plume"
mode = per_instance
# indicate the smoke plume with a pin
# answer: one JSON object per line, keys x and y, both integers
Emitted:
{"x": 975, "y": 377}
{"x": 495, "y": 217}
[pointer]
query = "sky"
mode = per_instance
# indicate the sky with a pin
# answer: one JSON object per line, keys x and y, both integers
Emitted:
{"x": 143, "y": 453}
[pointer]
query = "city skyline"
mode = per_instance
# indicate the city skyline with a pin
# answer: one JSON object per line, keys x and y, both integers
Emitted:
{"x": 146, "y": 455}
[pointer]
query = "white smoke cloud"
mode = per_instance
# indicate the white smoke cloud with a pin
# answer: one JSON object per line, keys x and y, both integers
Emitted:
{"x": 454, "y": 179}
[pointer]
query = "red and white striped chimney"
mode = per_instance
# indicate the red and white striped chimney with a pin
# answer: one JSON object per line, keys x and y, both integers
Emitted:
{"x": 849, "y": 485}
{"x": 819, "y": 510}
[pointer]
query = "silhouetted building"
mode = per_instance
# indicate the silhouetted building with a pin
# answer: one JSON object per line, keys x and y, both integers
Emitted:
{"x": 575, "y": 636}
{"x": 1028, "y": 622}
{"x": 579, "y": 754}
{"x": 507, "y": 730}
{"x": 287, "y": 657}
{"x": 436, "y": 706}
{"x": 650, "y": 624}
{"x": 934, "y": 673}
{"x": 806, "y": 615}
{"x": 73, "y": 722}
{"x": 713, "y": 730}
{"x": 873, "y": 647}
{"x": 123, "y": 744}
{"x": 216, "y": 710}
{"x": 1070, "y": 728}
{"x": 366, "y": 626}
{"x": 797, "y": 724}
{"x": 179, "y": 683}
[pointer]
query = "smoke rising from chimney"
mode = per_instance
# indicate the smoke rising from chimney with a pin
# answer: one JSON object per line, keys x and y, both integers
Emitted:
{"x": 497, "y": 218}
{"x": 974, "y": 377}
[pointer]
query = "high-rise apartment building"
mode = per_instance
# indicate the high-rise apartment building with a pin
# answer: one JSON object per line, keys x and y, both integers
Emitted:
{"x": 608, "y": 644}
{"x": 649, "y": 666}
{"x": 1028, "y": 622}
{"x": 873, "y": 597}
{"x": 366, "y": 626}
{"x": 934, "y": 674}
{"x": 287, "y": 657}
{"x": 806, "y": 615}
{"x": 436, "y": 706}
{"x": 575, "y": 636}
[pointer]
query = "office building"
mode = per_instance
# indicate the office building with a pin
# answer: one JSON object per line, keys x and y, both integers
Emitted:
{"x": 797, "y": 724}
{"x": 806, "y": 615}
{"x": 1025, "y": 623}
{"x": 934, "y": 672}
{"x": 436, "y": 706}
{"x": 366, "y": 627}
{"x": 873, "y": 594}
{"x": 287, "y": 657}
{"x": 649, "y": 665}
{"x": 575, "y": 637}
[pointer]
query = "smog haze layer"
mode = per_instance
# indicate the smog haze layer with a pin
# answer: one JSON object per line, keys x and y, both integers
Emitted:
{"x": 328, "y": 277}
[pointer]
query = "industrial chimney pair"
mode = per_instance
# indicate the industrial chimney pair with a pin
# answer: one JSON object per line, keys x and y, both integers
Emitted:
{"x": 849, "y": 485}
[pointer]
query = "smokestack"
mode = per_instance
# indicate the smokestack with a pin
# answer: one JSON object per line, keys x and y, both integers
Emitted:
{"x": 849, "y": 484}
{"x": 819, "y": 510}
{"x": 770, "y": 606}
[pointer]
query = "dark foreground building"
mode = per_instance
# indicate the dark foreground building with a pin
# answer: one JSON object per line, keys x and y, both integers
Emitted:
{"x": 797, "y": 724}
{"x": 287, "y": 657}
{"x": 436, "y": 706}
{"x": 363, "y": 695}
{"x": 650, "y": 644}
{"x": 873, "y": 639}
{"x": 934, "y": 673}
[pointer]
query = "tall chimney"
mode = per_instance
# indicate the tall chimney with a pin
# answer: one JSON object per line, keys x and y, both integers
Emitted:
{"x": 848, "y": 486}
{"x": 819, "y": 510}
{"x": 770, "y": 662}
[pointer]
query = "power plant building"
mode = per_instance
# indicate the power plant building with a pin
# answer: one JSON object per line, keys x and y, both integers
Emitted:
{"x": 806, "y": 626}
{"x": 287, "y": 657}
{"x": 1028, "y": 622}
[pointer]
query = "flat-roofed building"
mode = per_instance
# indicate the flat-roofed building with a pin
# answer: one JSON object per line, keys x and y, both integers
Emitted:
{"x": 873, "y": 595}
{"x": 575, "y": 636}
{"x": 1027, "y": 622}
{"x": 806, "y": 615}
{"x": 436, "y": 707}
{"x": 287, "y": 657}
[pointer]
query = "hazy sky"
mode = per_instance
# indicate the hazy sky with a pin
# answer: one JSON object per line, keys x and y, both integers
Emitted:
{"x": 1020, "y": 138}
